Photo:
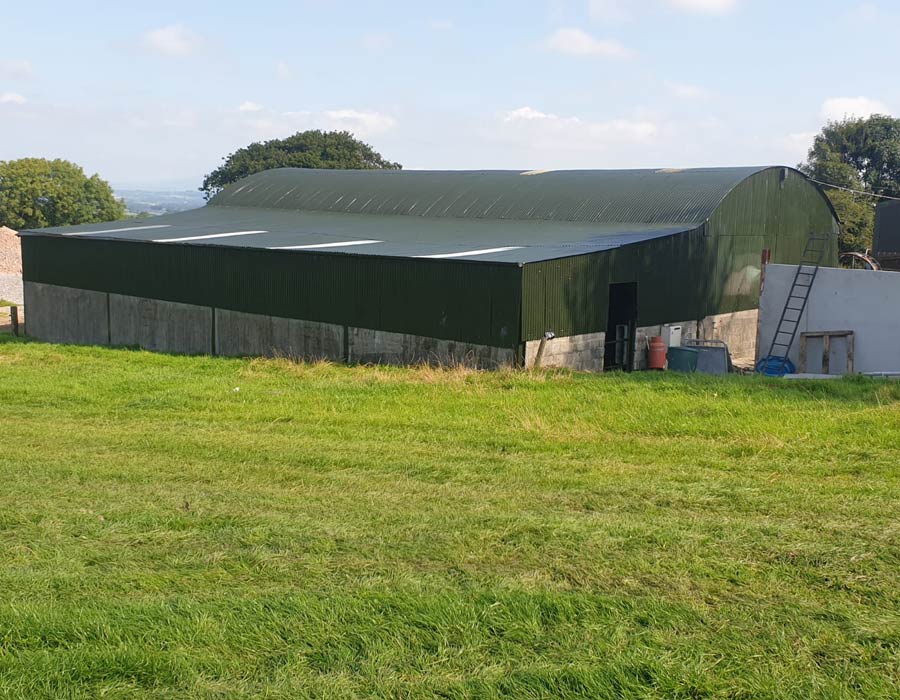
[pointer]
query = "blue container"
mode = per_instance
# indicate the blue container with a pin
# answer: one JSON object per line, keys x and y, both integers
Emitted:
{"x": 775, "y": 366}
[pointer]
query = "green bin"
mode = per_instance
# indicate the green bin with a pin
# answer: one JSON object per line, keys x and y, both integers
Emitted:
{"x": 682, "y": 359}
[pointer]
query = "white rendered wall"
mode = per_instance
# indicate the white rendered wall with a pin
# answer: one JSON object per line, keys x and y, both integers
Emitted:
{"x": 862, "y": 301}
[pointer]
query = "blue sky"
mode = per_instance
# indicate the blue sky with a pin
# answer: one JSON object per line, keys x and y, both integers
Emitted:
{"x": 154, "y": 94}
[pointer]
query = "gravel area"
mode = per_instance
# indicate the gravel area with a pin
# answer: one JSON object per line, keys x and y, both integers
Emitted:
{"x": 11, "y": 288}
{"x": 10, "y": 266}
{"x": 10, "y": 252}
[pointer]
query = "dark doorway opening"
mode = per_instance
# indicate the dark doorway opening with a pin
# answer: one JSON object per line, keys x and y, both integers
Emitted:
{"x": 620, "y": 327}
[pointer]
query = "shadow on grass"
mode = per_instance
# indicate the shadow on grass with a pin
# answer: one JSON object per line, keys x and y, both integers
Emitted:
{"x": 7, "y": 337}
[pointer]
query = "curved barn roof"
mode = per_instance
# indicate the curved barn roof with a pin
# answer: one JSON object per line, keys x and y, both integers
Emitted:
{"x": 665, "y": 196}
{"x": 481, "y": 216}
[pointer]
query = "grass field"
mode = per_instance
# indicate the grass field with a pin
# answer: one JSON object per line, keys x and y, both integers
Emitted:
{"x": 205, "y": 528}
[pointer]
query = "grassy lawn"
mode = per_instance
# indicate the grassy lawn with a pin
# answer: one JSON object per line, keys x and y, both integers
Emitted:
{"x": 205, "y": 528}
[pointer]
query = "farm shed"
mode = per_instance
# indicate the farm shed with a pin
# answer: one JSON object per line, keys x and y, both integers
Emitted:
{"x": 886, "y": 244}
{"x": 409, "y": 266}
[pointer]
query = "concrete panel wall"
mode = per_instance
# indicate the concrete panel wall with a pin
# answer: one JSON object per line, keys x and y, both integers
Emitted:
{"x": 581, "y": 352}
{"x": 737, "y": 330}
{"x": 160, "y": 325}
{"x": 67, "y": 315}
{"x": 585, "y": 352}
{"x": 368, "y": 346}
{"x": 252, "y": 335}
{"x": 865, "y": 302}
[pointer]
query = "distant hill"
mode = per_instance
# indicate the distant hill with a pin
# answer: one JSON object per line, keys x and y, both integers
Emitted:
{"x": 160, "y": 201}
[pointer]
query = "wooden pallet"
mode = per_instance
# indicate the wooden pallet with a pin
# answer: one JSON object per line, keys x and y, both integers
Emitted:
{"x": 826, "y": 337}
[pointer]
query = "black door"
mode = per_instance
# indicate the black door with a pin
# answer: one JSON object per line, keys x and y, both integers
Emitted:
{"x": 620, "y": 327}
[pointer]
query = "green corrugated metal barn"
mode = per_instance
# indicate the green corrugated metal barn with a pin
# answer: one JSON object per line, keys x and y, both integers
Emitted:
{"x": 416, "y": 265}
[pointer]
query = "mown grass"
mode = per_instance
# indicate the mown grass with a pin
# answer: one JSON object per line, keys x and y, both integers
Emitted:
{"x": 193, "y": 527}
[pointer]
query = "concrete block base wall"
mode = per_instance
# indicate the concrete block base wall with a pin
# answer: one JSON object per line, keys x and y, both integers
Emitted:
{"x": 738, "y": 329}
{"x": 581, "y": 352}
{"x": 66, "y": 315}
{"x": 368, "y": 346}
{"x": 82, "y": 317}
{"x": 253, "y": 335}
{"x": 160, "y": 325}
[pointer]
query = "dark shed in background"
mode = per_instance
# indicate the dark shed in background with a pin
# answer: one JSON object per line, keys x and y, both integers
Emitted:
{"x": 886, "y": 245}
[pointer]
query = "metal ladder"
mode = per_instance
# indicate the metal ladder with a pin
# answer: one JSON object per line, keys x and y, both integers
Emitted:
{"x": 795, "y": 304}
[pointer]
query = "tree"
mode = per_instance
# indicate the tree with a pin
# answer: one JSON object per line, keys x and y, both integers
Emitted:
{"x": 305, "y": 149}
{"x": 857, "y": 154}
{"x": 36, "y": 193}
{"x": 857, "y": 215}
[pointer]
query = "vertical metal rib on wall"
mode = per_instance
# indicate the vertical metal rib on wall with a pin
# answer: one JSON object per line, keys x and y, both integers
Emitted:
{"x": 453, "y": 300}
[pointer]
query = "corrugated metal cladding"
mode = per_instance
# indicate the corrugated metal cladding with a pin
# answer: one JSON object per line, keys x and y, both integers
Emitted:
{"x": 711, "y": 270}
{"x": 570, "y": 296}
{"x": 435, "y": 298}
{"x": 536, "y": 251}
{"x": 610, "y": 196}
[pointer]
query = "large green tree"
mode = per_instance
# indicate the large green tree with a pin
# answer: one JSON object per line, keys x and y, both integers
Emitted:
{"x": 305, "y": 149}
{"x": 35, "y": 193}
{"x": 857, "y": 154}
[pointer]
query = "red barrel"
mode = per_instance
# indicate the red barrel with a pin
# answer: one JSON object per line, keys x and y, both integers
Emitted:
{"x": 657, "y": 355}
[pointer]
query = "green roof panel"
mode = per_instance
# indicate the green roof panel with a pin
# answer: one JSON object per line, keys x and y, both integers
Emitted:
{"x": 507, "y": 217}
{"x": 589, "y": 196}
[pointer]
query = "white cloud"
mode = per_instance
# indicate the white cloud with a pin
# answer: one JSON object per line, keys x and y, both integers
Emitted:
{"x": 865, "y": 12}
{"x": 174, "y": 40}
{"x": 283, "y": 70}
{"x": 12, "y": 98}
{"x": 685, "y": 91}
{"x": 546, "y": 131}
{"x": 576, "y": 42}
{"x": 168, "y": 118}
{"x": 249, "y": 106}
{"x": 837, "y": 108}
{"x": 181, "y": 119}
{"x": 609, "y": 10}
{"x": 377, "y": 41}
{"x": 796, "y": 146}
{"x": 17, "y": 70}
{"x": 442, "y": 25}
{"x": 527, "y": 114}
{"x": 362, "y": 123}
{"x": 708, "y": 7}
